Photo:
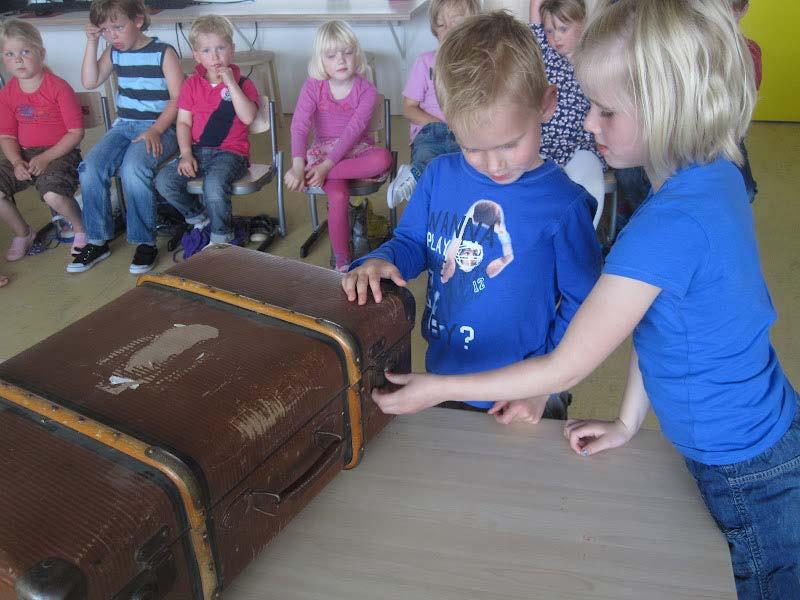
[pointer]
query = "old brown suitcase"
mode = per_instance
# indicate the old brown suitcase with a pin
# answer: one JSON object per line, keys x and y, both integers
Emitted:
{"x": 153, "y": 448}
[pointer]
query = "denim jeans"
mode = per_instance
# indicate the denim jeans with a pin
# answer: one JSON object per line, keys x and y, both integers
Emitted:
{"x": 219, "y": 170}
{"x": 756, "y": 504}
{"x": 431, "y": 141}
{"x": 116, "y": 152}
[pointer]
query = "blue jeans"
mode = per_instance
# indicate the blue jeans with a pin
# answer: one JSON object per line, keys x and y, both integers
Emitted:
{"x": 756, "y": 504}
{"x": 115, "y": 151}
{"x": 219, "y": 170}
{"x": 431, "y": 141}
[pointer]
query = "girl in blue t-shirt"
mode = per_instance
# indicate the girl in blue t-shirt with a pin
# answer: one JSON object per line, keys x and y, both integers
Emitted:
{"x": 671, "y": 86}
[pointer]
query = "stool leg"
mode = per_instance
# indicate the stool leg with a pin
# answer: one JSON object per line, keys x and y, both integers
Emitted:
{"x": 317, "y": 228}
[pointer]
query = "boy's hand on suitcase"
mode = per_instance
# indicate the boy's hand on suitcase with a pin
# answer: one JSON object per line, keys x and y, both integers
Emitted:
{"x": 187, "y": 166}
{"x": 529, "y": 410}
{"x": 368, "y": 277}
{"x": 419, "y": 391}
{"x": 588, "y": 437}
{"x": 152, "y": 141}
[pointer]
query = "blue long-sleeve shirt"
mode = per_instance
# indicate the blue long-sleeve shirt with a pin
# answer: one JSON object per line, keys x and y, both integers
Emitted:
{"x": 479, "y": 318}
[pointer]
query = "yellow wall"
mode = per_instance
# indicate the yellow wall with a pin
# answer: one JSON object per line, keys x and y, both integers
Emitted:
{"x": 775, "y": 25}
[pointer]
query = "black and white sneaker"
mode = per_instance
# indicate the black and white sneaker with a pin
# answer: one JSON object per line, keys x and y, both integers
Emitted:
{"x": 88, "y": 257}
{"x": 143, "y": 259}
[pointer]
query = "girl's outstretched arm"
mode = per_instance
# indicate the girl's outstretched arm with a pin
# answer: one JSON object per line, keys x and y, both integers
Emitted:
{"x": 535, "y": 16}
{"x": 607, "y": 316}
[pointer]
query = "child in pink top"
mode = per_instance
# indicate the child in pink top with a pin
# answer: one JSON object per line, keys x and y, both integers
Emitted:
{"x": 430, "y": 135}
{"x": 41, "y": 127}
{"x": 336, "y": 103}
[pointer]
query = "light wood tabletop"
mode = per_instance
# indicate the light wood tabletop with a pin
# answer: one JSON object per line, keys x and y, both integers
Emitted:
{"x": 450, "y": 505}
{"x": 279, "y": 11}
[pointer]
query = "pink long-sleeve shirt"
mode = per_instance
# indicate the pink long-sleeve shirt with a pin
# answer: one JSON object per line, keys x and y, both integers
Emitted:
{"x": 345, "y": 120}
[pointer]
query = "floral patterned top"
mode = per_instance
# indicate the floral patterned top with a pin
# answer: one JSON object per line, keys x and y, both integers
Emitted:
{"x": 563, "y": 134}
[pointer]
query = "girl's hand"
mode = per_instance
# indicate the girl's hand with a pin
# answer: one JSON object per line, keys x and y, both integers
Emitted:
{"x": 187, "y": 166}
{"x": 589, "y": 437}
{"x": 152, "y": 141}
{"x": 529, "y": 410}
{"x": 22, "y": 171}
{"x": 295, "y": 180}
{"x": 38, "y": 164}
{"x": 368, "y": 276}
{"x": 315, "y": 176}
{"x": 419, "y": 391}
{"x": 92, "y": 32}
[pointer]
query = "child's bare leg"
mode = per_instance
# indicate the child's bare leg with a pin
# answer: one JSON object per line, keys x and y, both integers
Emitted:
{"x": 67, "y": 208}
{"x": 3, "y": 280}
{"x": 11, "y": 215}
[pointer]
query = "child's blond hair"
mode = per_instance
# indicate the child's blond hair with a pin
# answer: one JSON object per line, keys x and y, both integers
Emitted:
{"x": 471, "y": 8}
{"x": 685, "y": 70}
{"x": 334, "y": 35}
{"x": 21, "y": 30}
{"x": 211, "y": 24}
{"x": 101, "y": 11}
{"x": 487, "y": 58}
{"x": 568, "y": 11}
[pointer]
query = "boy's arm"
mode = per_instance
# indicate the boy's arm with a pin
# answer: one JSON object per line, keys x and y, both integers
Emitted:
{"x": 183, "y": 130}
{"x": 535, "y": 14}
{"x": 94, "y": 71}
{"x": 607, "y": 316}
{"x": 71, "y": 114}
{"x": 590, "y": 436}
{"x": 174, "y": 76}
{"x": 13, "y": 154}
{"x": 244, "y": 105}
{"x": 577, "y": 264}
{"x": 415, "y": 114}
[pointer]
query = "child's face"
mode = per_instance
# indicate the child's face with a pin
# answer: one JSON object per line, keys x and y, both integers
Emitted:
{"x": 122, "y": 32}
{"x": 21, "y": 59}
{"x": 449, "y": 17}
{"x": 618, "y": 133}
{"x": 507, "y": 145}
{"x": 563, "y": 36}
{"x": 213, "y": 52}
{"x": 339, "y": 63}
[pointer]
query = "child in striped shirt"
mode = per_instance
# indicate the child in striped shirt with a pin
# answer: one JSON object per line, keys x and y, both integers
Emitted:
{"x": 149, "y": 78}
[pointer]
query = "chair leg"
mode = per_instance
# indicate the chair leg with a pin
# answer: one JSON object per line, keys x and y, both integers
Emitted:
{"x": 281, "y": 207}
{"x": 275, "y": 92}
{"x": 317, "y": 228}
{"x": 612, "y": 221}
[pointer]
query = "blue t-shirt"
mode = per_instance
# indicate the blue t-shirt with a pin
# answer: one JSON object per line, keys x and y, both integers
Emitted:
{"x": 485, "y": 311}
{"x": 709, "y": 369}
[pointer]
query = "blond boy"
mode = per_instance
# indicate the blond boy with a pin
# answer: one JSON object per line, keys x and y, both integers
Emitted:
{"x": 505, "y": 237}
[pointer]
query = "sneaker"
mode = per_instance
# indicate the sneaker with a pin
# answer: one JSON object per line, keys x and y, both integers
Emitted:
{"x": 78, "y": 242}
{"x": 89, "y": 256}
{"x": 143, "y": 259}
{"x": 20, "y": 245}
{"x": 401, "y": 187}
{"x": 64, "y": 231}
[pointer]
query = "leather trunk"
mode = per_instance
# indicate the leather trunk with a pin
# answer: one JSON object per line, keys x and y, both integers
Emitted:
{"x": 154, "y": 447}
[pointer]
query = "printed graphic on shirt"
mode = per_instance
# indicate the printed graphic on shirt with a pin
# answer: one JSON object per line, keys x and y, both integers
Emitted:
{"x": 27, "y": 113}
{"x": 475, "y": 247}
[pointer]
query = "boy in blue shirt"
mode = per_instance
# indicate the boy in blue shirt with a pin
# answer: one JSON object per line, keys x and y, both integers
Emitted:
{"x": 505, "y": 237}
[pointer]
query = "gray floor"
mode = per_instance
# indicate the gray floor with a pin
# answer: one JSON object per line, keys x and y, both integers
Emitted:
{"x": 42, "y": 298}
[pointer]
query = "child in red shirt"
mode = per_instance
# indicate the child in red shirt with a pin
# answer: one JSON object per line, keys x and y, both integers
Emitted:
{"x": 215, "y": 107}
{"x": 40, "y": 129}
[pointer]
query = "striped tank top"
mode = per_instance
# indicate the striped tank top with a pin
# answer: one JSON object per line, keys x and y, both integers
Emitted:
{"x": 142, "y": 92}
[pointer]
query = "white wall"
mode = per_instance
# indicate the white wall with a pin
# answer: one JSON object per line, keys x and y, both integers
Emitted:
{"x": 291, "y": 44}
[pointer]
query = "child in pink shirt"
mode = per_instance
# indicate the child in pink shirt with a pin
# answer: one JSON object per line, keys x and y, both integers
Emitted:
{"x": 430, "y": 135}
{"x": 41, "y": 127}
{"x": 336, "y": 103}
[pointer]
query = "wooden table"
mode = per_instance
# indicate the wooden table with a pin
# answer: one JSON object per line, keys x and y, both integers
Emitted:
{"x": 450, "y": 505}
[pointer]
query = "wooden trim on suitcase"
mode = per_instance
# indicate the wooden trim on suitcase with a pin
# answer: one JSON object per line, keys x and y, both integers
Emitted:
{"x": 170, "y": 466}
{"x": 339, "y": 335}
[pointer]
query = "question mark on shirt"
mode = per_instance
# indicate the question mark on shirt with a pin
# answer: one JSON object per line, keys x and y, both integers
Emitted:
{"x": 470, "y": 335}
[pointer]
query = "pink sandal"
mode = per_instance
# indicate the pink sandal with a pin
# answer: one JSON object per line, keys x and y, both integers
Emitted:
{"x": 20, "y": 245}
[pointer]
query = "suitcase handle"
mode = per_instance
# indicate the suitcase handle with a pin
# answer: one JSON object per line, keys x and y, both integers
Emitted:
{"x": 268, "y": 503}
